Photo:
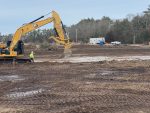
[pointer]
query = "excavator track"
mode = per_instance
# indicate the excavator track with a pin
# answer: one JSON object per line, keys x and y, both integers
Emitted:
{"x": 14, "y": 60}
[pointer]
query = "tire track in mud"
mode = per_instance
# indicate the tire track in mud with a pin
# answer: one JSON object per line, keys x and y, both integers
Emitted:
{"x": 97, "y": 101}
{"x": 67, "y": 91}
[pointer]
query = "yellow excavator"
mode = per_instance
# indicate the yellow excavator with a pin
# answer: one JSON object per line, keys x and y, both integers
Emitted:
{"x": 14, "y": 51}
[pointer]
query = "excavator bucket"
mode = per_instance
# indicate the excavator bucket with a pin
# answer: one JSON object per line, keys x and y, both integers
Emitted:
{"x": 67, "y": 53}
{"x": 67, "y": 46}
{"x": 67, "y": 49}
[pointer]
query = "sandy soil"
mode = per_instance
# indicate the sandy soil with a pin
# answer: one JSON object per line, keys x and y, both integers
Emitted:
{"x": 83, "y": 87}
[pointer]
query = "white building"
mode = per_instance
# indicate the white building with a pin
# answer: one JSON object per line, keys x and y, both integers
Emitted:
{"x": 95, "y": 41}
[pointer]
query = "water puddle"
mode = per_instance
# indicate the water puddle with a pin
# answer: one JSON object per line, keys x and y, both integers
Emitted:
{"x": 102, "y": 72}
{"x": 107, "y": 72}
{"x": 17, "y": 95}
{"x": 92, "y": 75}
{"x": 11, "y": 78}
{"x": 95, "y": 59}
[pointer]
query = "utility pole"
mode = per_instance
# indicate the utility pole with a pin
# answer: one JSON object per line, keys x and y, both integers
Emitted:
{"x": 68, "y": 34}
{"x": 76, "y": 35}
{"x": 147, "y": 13}
{"x": 68, "y": 37}
{"x": 134, "y": 39}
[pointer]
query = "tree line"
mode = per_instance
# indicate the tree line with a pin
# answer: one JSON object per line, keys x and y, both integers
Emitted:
{"x": 132, "y": 29}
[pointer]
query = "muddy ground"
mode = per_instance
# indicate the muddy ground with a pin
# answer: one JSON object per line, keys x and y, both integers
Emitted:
{"x": 100, "y": 87}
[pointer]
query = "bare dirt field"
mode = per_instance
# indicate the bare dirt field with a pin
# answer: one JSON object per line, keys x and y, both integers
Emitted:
{"x": 84, "y": 87}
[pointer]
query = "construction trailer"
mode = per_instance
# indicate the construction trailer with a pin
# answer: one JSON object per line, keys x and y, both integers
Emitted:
{"x": 95, "y": 41}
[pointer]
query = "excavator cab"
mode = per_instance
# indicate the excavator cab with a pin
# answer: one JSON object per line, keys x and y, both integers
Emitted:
{"x": 20, "y": 48}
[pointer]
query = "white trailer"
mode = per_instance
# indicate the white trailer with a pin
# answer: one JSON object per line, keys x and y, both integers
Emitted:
{"x": 95, "y": 41}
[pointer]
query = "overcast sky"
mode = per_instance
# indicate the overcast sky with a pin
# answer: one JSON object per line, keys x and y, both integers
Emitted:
{"x": 14, "y": 13}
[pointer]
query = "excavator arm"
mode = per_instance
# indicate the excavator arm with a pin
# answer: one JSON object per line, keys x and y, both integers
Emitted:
{"x": 58, "y": 26}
